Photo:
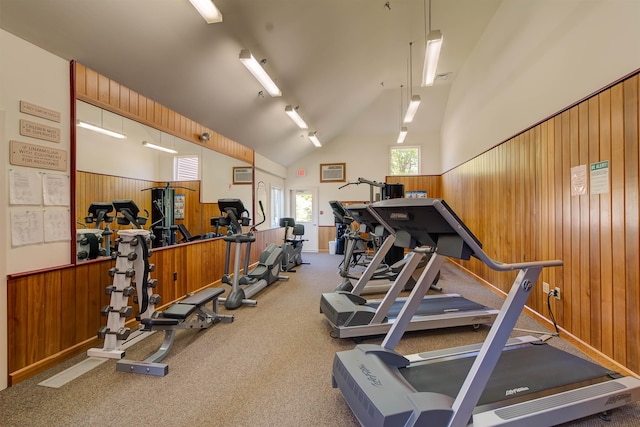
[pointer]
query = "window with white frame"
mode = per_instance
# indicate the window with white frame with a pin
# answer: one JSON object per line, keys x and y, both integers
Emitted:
{"x": 404, "y": 160}
{"x": 277, "y": 206}
{"x": 185, "y": 168}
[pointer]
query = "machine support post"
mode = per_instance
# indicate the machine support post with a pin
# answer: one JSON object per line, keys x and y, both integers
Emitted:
{"x": 491, "y": 349}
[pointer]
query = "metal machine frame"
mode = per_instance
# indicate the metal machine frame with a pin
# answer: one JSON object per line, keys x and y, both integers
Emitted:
{"x": 370, "y": 376}
{"x": 351, "y": 316}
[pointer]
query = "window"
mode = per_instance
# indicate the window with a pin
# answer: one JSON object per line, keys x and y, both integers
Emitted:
{"x": 304, "y": 207}
{"x": 404, "y": 160}
{"x": 185, "y": 168}
{"x": 277, "y": 206}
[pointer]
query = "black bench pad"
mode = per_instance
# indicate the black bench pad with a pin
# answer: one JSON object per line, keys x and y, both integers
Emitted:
{"x": 179, "y": 311}
{"x": 202, "y": 297}
{"x": 183, "y": 308}
{"x": 159, "y": 321}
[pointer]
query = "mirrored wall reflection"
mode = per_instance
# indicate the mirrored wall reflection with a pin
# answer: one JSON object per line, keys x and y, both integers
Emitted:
{"x": 175, "y": 184}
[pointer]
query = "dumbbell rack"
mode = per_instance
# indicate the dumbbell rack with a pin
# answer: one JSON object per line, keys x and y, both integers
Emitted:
{"x": 131, "y": 262}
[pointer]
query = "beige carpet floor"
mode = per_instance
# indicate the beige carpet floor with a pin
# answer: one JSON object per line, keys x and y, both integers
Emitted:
{"x": 271, "y": 367}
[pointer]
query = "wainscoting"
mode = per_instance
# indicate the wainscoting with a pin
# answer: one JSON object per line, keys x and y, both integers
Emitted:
{"x": 55, "y": 314}
{"x": 517, "y": 198}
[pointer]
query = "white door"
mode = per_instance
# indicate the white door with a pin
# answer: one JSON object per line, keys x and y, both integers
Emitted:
{"x": 304, "y": 209}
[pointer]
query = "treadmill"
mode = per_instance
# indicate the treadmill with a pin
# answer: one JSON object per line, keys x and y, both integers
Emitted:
{"x": 352, "y": 316}
{"x": 515, "y": 382}
{"x": 378, "y": 281}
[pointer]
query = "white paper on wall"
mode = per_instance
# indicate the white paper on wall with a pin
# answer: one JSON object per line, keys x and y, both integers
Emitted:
{"x": 26, "y": 227}
{"x": 56, "y": 225}
{"x": 25, "y": 187}
{"x": 55, "y": 188}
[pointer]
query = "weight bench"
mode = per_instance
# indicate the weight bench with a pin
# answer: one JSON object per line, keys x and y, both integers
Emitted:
{"x": 186, "y": 236}
{"x": 189, "y": 313}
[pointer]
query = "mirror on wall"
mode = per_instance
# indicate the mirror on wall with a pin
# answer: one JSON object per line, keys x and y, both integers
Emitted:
{"x": 175, "y": 183}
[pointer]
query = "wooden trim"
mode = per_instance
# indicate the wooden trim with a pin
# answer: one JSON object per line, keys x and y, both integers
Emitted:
{"x": 99, "y": 90}
{"x": 74, "y": 294}
{"x": 72, "y": 155}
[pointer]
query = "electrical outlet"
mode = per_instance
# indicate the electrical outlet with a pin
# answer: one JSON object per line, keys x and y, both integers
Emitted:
{"x": 557, "y": 293}
{"x": 545, "y": 288}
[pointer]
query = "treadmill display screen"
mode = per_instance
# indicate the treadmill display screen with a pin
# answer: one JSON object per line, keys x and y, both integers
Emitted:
{"x": 422, "y": 220}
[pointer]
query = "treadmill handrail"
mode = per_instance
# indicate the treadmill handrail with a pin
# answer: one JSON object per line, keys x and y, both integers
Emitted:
{"x": 477, "y": 249}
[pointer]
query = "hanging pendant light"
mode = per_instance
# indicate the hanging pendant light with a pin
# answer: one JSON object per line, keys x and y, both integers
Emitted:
{"x": 433, "y": 44}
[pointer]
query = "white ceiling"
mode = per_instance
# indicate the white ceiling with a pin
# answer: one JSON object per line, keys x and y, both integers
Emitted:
{"x": 342, "y": 62}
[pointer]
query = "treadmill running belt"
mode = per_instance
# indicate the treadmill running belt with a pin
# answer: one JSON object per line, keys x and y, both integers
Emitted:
{"x": 431, "y": 306}
{"x": 520, "y": 371}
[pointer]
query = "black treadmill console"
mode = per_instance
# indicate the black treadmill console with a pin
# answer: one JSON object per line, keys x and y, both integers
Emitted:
{"x": 234, "y": 206}
{"x": 361, "y": 214}
{"x": 339, "y": 212}
{"x": 422, "y": 222}
{"x": 234, "y": 209}
{"x": 129, "y": 211}
{"x": 98, "y": 212}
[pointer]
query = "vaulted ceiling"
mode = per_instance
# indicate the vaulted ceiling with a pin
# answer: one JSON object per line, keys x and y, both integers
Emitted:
{"x": 341, "y": 62}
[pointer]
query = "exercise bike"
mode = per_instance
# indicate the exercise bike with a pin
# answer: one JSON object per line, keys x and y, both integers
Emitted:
{"x": 90, "y": 240}
{"x": 292, "y": 246}
{"x": 243, "y": 287}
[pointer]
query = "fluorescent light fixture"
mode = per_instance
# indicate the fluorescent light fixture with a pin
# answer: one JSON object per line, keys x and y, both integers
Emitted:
{"x": 158, "y": 147}
{"x": 431, "y": 55}
{"x": 413, "y": 107}
{"x": 293, "y": 113}
{"x": 402, "y": 135}
{"x": 313, "y": 138}
{"x": 101, "y": 130}
{"x": 208, "y": 10}
{"x": 258, "y": 72}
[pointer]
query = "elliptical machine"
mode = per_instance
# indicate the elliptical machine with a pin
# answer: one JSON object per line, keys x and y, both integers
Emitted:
{"x": 244, "y": 286}
{"x": 90, "y": 240}
{"x": 292, "y": 246}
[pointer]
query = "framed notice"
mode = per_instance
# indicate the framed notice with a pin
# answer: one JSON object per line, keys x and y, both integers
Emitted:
{"x": 333, "y": 172}
{"x": 243, "y": 175}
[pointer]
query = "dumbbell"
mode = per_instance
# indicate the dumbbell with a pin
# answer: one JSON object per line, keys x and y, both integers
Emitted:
{"x": 152, "y": 283}
{"x": 126, "y": 291}
{"x": 129, "y": 272}
{"x": 123, "y": 311}
{"x": 85, "y": 240}
{"x": 131, "y": 256}
{"x": 153, "y": 299}
{"x": 121, "y": 333}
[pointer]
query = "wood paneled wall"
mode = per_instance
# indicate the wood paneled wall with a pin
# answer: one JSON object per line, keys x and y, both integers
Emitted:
{"x": 517, "y": 199}
{"x": 432, "y": 184}
{"x": 99, "y": 90}
{"x": 55, "y": 314}
{"x": 92, "y": 187}
{"x": 326, "y": 234}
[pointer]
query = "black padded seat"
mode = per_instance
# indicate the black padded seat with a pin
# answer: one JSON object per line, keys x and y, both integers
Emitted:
{"x": 179, "y": 311}
{"x": 202, "y": 297}
{"x": 158, "y": 321}
{"x": 184, "y": 308}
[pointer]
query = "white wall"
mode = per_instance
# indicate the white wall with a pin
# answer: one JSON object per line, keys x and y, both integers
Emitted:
{"x": 268, "y": 174}
{"x": 366, "y": 156}
{"x": 534, "y": 59}
{"x": 35, "y": 76}
{"x": 217, "y": 170}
